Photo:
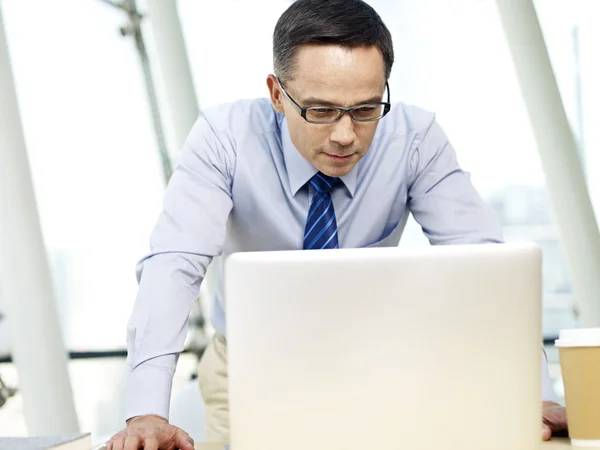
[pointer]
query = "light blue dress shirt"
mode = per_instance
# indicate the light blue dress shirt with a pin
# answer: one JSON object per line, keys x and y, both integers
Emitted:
{"x": 241, "y": 185}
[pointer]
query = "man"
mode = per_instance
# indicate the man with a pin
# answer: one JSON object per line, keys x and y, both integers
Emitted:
{"x": 326, "y": 163}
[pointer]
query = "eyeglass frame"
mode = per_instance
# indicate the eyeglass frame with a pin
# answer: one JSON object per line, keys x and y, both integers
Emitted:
{"x": 387, "y": 106}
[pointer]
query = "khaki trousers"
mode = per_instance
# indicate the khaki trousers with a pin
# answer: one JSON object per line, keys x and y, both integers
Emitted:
{"x": 213, "y": 379}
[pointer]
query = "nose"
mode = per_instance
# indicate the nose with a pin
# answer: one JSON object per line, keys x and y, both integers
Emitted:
{"x": 342, "y": 132}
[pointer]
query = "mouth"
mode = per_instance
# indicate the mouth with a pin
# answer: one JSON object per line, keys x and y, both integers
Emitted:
{"x": 338, "y": 157}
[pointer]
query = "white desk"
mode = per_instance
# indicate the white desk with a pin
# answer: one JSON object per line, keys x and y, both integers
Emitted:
{"x": 554, "y": 444}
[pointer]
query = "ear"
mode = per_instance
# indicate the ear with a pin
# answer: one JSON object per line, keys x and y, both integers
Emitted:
{"x": 275, "y": 93}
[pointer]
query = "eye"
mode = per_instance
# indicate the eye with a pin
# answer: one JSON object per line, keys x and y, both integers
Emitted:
{"x": 320, "y": 114}
{"x": 323, "y": 110}
{"x": 368, "y": 111}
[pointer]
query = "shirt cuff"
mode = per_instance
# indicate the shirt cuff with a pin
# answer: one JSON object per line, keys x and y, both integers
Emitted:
{"x": 148, "y": 392}
{"x": 548, "y": 394}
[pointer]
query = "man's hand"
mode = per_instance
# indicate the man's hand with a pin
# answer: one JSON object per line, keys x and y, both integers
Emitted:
{"x": 150, "y": 433}
{"x": 554, "y": 418}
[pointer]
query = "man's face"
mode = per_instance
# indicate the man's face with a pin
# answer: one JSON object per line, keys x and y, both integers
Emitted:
{"x": 329, "y": 75}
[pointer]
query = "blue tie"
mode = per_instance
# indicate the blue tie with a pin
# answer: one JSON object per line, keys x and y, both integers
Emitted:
{"x": 321, "y": 227}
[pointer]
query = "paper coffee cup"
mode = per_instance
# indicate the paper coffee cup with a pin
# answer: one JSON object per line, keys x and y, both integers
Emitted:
{"x": 579, "y": 352}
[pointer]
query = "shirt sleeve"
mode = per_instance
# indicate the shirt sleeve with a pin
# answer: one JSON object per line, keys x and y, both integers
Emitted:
{"x": 442, "y": 198}
{"x": 190, "y": 231}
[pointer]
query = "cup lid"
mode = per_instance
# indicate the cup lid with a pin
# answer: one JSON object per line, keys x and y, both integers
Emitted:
{"x": 579, "y": 337}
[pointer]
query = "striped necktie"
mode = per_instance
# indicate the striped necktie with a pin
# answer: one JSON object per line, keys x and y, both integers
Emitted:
{"x": 321, "y": 226}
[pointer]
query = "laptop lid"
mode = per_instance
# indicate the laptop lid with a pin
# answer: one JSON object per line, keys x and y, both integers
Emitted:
{"x": 358, "y": 349}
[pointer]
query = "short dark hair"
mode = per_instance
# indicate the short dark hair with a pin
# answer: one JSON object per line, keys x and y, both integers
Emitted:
{"x": 349, "y": 23}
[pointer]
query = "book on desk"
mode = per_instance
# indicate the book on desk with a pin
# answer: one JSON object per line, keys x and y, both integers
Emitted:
{"x": 65, "y": 442}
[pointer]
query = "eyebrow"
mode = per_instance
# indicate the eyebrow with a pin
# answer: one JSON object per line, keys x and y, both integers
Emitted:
{"x": 319, "y": 101}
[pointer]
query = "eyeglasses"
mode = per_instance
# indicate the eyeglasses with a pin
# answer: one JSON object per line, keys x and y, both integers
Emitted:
{"x": 367, "y": 112}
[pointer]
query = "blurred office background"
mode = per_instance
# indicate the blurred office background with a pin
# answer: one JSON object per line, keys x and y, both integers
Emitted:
{"x": 98, "y": 176}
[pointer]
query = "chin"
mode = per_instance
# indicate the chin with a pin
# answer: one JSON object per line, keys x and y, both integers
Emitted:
{"x": 337, "y": 171}
{"x": 337, "y": 168}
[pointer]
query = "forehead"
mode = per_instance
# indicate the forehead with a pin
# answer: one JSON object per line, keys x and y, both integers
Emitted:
{"x": 342, "y": 75}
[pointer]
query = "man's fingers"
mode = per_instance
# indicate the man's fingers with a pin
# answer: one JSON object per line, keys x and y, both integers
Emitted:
{"x": 546, "y": 432}
{"x": 184, "y": 441}
{"x": 561, "y": 418}
{"x": 150, "y": 434}
{"x": 555, "y": 416}
{"x": 117, "y": 444}
{"x": 132, "y": 442}
{"x": 151, "y": 443}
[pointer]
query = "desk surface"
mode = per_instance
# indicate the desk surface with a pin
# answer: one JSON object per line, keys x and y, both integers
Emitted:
{"x": 554, "y": 444}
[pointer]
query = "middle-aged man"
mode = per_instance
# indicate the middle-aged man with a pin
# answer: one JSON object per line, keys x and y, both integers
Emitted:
{"x": 326, "y": 163}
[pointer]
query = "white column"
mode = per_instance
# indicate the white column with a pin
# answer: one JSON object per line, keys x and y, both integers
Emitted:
{"x": 590, "y": 74}
{"x": 174, "y": 67}
{"x": 179, "y": 88}
{"x": 558, "y": 152}
{"x": 37, "y": 346}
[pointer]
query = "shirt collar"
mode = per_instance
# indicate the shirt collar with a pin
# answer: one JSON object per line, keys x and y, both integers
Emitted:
{"x": 300, "y": 171}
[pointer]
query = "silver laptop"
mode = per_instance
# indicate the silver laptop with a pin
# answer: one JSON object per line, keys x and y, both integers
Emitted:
{"x": 385, "y": 349}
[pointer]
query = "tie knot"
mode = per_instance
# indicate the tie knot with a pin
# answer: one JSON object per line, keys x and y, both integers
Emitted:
{"x": 323, "y": 183}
